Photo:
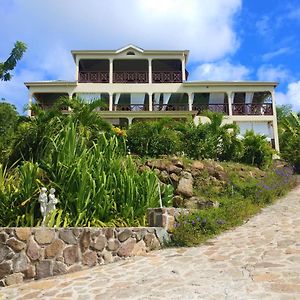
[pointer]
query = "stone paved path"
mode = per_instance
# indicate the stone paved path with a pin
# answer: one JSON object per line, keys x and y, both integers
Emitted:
{"x": 259, "y": 260}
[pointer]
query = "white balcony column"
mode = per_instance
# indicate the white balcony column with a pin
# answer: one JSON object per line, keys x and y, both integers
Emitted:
{"x": 110, "y": 103}
{"x": 150, "y": 70}
{"x": 129, "y": 121}
{"x": 150, "y": 101}
{"x": 191, "y": 96}
{"x": 70, "y": 98}
{"x": 230, "y": 102}
{"x": 275, "y": 128}
{"x": 183, "y": 68}
{"x": 29, "y": 104}
{"x": 111, "y": 70}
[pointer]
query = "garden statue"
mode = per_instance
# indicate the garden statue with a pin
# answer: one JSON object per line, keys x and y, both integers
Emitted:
{"x": 47, "y": 203}
{"x": 43, "y": 200}
{"x": 52, "y": 201}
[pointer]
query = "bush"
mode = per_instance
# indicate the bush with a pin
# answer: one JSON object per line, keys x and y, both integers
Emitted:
{"x": 153, "y": 138}
{"x": 257, "y": 151}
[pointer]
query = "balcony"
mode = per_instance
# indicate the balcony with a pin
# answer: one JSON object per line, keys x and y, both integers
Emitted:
{"x": 130, "y": 77}
{"x": 166, "y": 77}
{"x": 131, "y": 107}
{"x": 93, "y": 77}
{"x": 219, "y": 108}
{"x": 170, "y": 107}
{"x": 252, "y": 109}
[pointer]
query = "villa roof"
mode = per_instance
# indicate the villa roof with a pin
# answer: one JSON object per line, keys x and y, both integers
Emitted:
{"x": 130, "y": 47}
{"x": 230, "y": 83}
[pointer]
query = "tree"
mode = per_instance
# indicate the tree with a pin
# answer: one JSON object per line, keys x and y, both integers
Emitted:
{"x": 15, "y": 55}
{"x": 8, "y": 123}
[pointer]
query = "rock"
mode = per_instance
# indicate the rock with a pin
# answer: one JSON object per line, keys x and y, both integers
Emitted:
{"x": 198, "y": 165}
{"x": 164, "y": 177}
{"x": 220, "y": 175}
{"x": 5, "y": 269}
{"x": 4, "y": 252}
{"x": 144, "y": 168}
{"x": 74, "y": 268}
{"x": 44, "y": 269}
{"x": 107, "y": 257}
{"x": 3, "y": 237}
{"x": 185, "y": 185}
{"x": 197, "y": 203}
{"x": 151, "y": 242}
{"x": 126, "y": 248}
{"x": 89, "y": 258}
{"x": 30, "y": 272}
{"x": 157, "y": 164}
{"x": 16, "y": 245}
{"x": 113, "y": 244}
{"x": 54, "y": 249}
{"x": 139, "y": 249}
{"x": 109, "y": 233}
{"x": 177, "y": 163}
{"x": 85, "y": 240}
{"x": 77, "y": 231}
{"x": 33, "y": 249}
{"x": 139, "y": 235}
{"x": 23, "y": 233}
{"x": 162, "y": 236}
{"x": 71, "y": 255}
{"x": 156, "y": 171}
{"x": 67, "y": 236}
{"x": 174, "y": 177}
{"x": 178, "y": 201}
{"x": 100, "y": 243}
{"x": 59, "y": 268}
{"x": 14, "y": 279}
{"x": 124, "y": 235}
{"x": 219, "y": 168}
{"x": 174, "y": 169}
{"x": 44, "y": 236}
{"x": 20, "y": 262}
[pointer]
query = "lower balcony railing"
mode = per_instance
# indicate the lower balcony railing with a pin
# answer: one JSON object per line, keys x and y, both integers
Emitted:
{"x": 131, "y": 107}
{"x": 130, "y": 77}
{"x": 170, "y": 107}
{"x": 166, "y": 77}
{"x": 96, "y": 77}
{"x": 220, "y": 108}
{"x": 252, "y": 109}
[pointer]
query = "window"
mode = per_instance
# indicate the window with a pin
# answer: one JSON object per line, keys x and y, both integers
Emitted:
{"x": 130, "y": 53}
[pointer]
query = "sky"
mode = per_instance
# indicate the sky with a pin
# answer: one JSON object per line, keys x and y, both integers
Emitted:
{"x": 231, "y": 40}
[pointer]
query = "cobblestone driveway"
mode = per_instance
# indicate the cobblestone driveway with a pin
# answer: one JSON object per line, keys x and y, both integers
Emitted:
{"x": 259, "y": 260}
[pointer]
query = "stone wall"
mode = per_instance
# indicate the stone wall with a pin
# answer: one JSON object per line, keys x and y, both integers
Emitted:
{"x": 34, "y": 253}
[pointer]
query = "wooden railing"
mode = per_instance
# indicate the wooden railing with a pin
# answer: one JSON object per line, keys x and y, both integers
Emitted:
{"x": 170, "y": 107}
{"x": 94, "y": 77}
{"x": 131, "y": 107}
{"x": 220, "y": 108}
{"x": 166, "y": 77}
{"x": 130, "y": 77}
{"x": 252, "y": 109}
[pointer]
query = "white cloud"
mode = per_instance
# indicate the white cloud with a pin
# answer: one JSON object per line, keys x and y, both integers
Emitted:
{"x": 270, "y": 55}
{"x": 220, "y": 71}
{"x": 51, "y": 28}
{"x": 292, "y": 96}
{"x": 271, "y": 73}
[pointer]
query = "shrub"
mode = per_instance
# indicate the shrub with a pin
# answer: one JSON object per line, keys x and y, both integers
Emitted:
{"x": 257, "y": 151}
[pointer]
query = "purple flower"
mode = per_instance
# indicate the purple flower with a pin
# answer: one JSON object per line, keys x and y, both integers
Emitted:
{"x": 220, "y": 222}
{"x": 193, "y": 222}
{"x": 204, "y": 222}
{"x": 198, "y": 219}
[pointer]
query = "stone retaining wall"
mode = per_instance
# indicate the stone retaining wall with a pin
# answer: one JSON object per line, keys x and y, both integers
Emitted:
{"x": 34, "y": 253}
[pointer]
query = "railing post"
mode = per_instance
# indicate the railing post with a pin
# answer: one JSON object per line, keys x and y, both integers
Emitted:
{"x": 190, "y": 100}
{"x": 150, "y": 70}
{"x": 183, "y": 68}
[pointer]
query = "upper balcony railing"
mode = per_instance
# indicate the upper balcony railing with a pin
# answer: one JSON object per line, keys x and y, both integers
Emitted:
{"x": 130, "y": 77}
{"x": 131, "y": 107}
{"x": 220, "y": 108}
{"x": 252, "y": 109}
{"x": 170, "y": 107}
{"x": 97, "y": 77}
{"x": 166, "y": 77}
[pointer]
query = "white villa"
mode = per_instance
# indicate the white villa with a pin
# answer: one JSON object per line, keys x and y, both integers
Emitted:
{"x": 138, "y": 84}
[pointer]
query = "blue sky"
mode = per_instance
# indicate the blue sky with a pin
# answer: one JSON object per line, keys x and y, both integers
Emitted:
{"x": 227, "y": 39}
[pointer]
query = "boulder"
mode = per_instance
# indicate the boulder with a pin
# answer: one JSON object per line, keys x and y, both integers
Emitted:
{"x": 15, "y": 244}
{"x": 14, "y": 279}
{"x": 197, "y": 203}
{"x": 174, "y": 177}
{"x": 126, "y": 248}
{"x": 198, "y": 165}
{"x": 67, "y": 236}
{"x": 174, "y": 169}
{"x": 23, "y": 233}
{"x": 99, "y": 243}
{"x": 44, "y": 236}
{"x": 185, "y": 185}
{"x": 54, "y": 249}
{"x": 33, "y": 249}
{"x": 178, "y": 201}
